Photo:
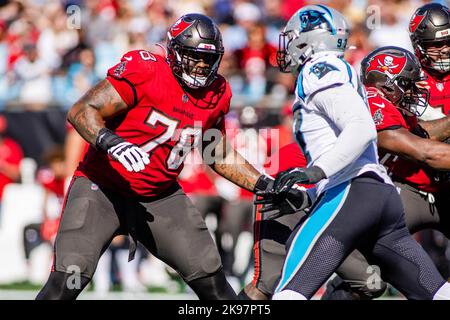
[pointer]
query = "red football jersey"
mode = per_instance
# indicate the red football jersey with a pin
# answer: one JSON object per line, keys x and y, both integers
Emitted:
{"x": 387, "y": 117}
{"x": 163, "y": 120}
{"x": 439, "y": 92}
{"x": 289, "y": 156}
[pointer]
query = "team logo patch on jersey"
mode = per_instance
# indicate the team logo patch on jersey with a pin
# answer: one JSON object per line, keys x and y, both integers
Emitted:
{"x": 120, "y": 68}
{"x": 321, "y": 69}
{"x": 388, "y": 64}
{"x": 416, "y": 20}
{"x": 378, "y": 117}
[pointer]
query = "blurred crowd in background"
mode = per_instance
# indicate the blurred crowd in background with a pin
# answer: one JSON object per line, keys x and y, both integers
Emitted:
{"x": 53, "y": 51}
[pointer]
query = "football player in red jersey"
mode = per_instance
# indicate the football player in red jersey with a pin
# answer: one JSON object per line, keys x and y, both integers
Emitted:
{"x": 141, "y": 122}
{"x": 429, "y": 31}
{"x": 412, "y": 150}
{"x": 271, "y": 232}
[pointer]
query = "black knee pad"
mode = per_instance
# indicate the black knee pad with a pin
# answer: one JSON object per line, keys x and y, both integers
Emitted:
{"x": 213, "y": 287}
{"x": 62, "y": 286}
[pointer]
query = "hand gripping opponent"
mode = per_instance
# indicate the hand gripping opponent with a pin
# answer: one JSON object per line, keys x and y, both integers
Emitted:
{"x": 279, "y": 204}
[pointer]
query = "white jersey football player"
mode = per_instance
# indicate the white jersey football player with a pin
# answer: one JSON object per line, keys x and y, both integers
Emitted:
{"x": 354, "y": 203}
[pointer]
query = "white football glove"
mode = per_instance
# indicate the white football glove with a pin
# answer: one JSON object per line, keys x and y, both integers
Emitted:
{"x": 128, "y": 154}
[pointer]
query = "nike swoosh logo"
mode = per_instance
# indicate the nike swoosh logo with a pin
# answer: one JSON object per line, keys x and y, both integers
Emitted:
{"x": 128, "y": 58}
{"x": 378, "y": 105}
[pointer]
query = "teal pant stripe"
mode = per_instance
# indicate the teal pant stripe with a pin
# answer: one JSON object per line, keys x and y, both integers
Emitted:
{"x": 307, "y": 235}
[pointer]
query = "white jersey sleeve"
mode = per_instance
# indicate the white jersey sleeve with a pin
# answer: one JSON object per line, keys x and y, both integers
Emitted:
{"x": 332, "y": 122}
{"x": 349, "y": 113}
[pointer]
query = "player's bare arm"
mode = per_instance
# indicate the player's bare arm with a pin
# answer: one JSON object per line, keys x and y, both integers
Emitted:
{"x": 403, "y": 143}
{"x": 438, "y": 129}
{"x": 87, "y": 115}
{"x": 232, "y": 166}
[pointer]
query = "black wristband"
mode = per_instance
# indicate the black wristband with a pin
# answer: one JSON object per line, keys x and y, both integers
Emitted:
{"x": 262, "y": 183}
{"x": 107, "y": 139}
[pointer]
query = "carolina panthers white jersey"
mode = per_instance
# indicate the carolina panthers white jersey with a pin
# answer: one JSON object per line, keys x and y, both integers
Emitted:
{"x": 329, "y": 101}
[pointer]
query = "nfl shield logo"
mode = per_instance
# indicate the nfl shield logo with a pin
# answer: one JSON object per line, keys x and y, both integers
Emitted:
{"x": 440, "y": 86}
{"x": 185, "y": 98}
{"x": 120, "y": 69}
{"x": 378, "y": 117}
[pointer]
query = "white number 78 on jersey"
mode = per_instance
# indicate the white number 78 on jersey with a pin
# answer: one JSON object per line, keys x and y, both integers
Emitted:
{"x": 188, "y": 138}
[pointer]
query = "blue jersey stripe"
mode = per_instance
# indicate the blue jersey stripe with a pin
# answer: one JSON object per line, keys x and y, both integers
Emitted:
{"x": 308, "y": 234}
{"x": 300, "y": 90}
{"x": 349, "y": 71}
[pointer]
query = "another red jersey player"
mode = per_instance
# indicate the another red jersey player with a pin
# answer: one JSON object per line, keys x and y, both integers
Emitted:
{"x": 429, "y": 31}
{"x": 141, "y": 122}
{"x": 412, "y": 151}
{"x": 271, "y": 233}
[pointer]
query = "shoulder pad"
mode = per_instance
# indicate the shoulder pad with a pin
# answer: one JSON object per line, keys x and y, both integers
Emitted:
{"x": 136, "y": 66}
{"x": 323, "y": 73}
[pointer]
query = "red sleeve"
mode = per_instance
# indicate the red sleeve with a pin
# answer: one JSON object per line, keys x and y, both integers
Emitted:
{"x": 289, "y": 156}
{"x": 135, "y": 68}
{"x": 16, "y": 154}
{"x": 385, "y": 115}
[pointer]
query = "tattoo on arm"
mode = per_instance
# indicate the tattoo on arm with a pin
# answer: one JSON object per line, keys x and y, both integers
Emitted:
{"x": 87, "y": 115}
{"x": 438, "y": 129}
{"x": 232, "y": 166}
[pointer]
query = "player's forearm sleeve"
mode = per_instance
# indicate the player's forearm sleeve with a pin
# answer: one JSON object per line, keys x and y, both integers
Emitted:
{"x": 349, "y": 113}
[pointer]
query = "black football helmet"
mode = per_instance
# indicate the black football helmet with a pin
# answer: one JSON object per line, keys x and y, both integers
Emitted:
{"x": 430, "y": 27}
{"x": 395, "y": 72}
{"x": 195, "y": 49}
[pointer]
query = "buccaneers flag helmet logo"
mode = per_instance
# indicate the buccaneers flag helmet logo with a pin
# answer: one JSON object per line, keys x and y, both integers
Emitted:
{"x": 179, "y": 26}
{"x": 388, "y": 64}
{"x": 415, "y": 21}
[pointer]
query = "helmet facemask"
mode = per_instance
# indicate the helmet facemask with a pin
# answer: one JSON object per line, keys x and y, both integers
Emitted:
{"x": 195, "y": 67}
{"x": 435, "y": 55}
{"x": 406, "y": 95}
